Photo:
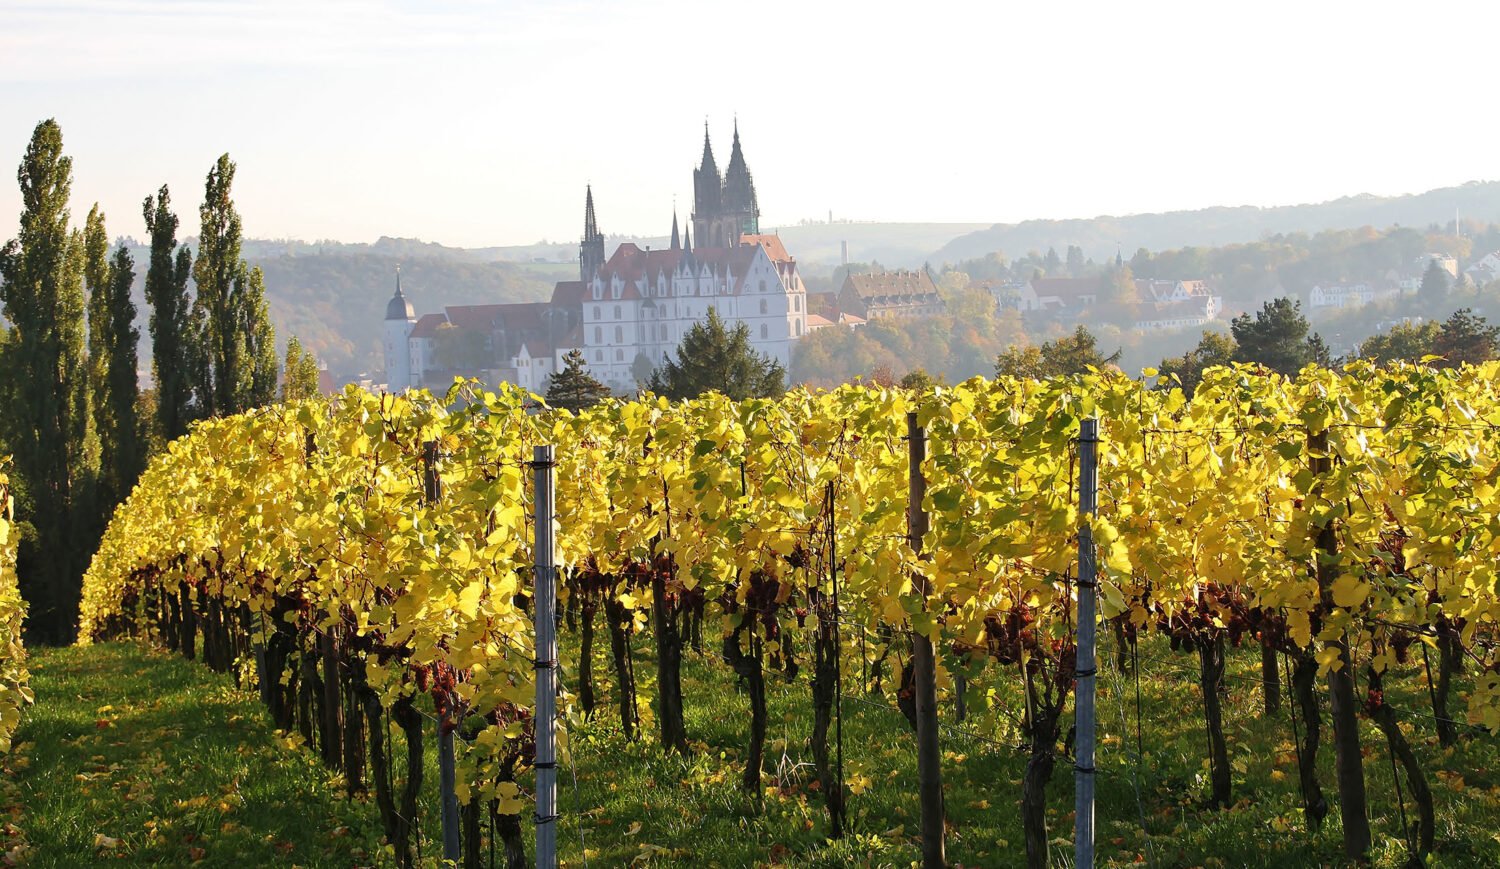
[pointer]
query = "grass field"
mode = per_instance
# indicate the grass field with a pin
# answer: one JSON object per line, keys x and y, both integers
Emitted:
{"x": 133, "y": 757}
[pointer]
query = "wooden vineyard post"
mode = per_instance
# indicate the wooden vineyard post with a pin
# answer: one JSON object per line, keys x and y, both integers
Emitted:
{"x": 432, "y": 492}
{"x": 924, "y": 667}
{"x": 1086, "y": 667}
{"x": 544, "y": 617}
{"x": 1348, "y": 760}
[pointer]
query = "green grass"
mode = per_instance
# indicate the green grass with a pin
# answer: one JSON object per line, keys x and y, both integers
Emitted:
{"x": 135, "y": 757}
{"x": 182, "y": 761}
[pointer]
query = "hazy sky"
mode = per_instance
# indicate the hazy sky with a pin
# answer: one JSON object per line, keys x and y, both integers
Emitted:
{"x": 479, "y": 123}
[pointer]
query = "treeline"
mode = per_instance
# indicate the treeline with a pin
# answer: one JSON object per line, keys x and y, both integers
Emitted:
{"x": 1289, "y": 263}
{"x": 75, "y": 419}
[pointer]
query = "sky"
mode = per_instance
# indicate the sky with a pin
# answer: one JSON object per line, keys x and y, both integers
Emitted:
{"x": 478, "y": 124}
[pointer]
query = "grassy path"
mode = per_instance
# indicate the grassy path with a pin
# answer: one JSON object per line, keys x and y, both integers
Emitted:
{"x": 134, "y": 757}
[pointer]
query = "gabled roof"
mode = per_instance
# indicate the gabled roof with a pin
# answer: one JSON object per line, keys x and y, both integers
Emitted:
{"x": 897, "y": 283}
{"x": 428, "y": 325}
{"x": 483, "y": 318}
{"x": 772, "y": 243}
{"x": 568, "y": 293}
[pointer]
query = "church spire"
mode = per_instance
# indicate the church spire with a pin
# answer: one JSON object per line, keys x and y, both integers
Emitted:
{"x": 590, "y": 224}
{"x": 591, "y": 250}
{"x": 676, "y": 240}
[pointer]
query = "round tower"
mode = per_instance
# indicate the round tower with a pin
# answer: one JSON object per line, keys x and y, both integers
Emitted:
{"x": 400, "y": 317}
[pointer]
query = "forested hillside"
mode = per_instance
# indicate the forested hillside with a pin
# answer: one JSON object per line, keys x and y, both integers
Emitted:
{"x": 1100, "y": 236}
{"x": 333, "y": 296}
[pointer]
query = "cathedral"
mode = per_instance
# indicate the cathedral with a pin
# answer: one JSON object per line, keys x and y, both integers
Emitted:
{"x": 628, "y": 312}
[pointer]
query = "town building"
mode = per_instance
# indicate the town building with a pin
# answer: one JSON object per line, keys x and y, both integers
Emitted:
{"x": 627, "y": 313}
{"x": 883, "y": 295}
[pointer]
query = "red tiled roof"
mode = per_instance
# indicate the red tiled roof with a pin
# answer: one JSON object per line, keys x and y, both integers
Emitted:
{"x": 1067, "y": 289}
{"x": 772, "y": 243}
{"x": 568, "y": 293}
{"x": 482, "y": 318}
{"x": 428, "y": 325}
{"x": 897, "y": 283}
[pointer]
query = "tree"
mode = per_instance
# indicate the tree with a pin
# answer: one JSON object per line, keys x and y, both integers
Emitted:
{"x": 1434, "y": 282}
{"x": 1071, "y": 354}
{"x": 1466, "y": 338}
{"x": 918, "y": 380}
{"x": 239, "y": 357}
{"x": 714, "y": 358}
{"x": 574, "y": 388}
{"x": 1053, "y": 262}
{"x": 1405, "y": 342}
{"x": 1276, "y": 337}
{"x": 301, "y": 373}
{"x": 175, "y": 354}
{"x": 112, "y": 364}
{"x": 50, "y": 424}
{"x": 1214, "y": 348}
{"x": 1075, "y": 261}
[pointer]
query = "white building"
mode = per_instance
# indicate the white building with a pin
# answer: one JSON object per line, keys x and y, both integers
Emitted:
{"x": 626, "y": 314}
{"x": 1340, "y": 296}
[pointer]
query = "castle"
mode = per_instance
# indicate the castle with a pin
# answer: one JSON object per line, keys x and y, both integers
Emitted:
{"x": 627, "y": 313}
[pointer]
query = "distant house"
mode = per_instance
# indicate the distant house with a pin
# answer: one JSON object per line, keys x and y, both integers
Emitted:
{"x": 1011, "y": 294}
{"x": 883, "y": 295}
{"x": 1176, "y": 304}
{"x": 1070, "y": 294}
{"x": 1340, "y": 296}
{"x": 1486, "y": 270}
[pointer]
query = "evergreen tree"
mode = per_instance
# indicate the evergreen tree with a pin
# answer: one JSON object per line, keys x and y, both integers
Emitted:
{"x": 1214, "y": 348}
{"x": 43, "y": 298}
{"x": 301, "y": 379}
{"x": 1434, "y": 282}
{"x": 122, "y": 429}
{"x": 174, "y": 347}
{"x": 713, "y": 358}
{"x": 1075, "y": 261}
{"x": 1277, "y": 337}
{"x": 574, "y": 388}
{"x": 237, "y": 368}
{"x": 1466, "y": 338}
{"x": 1052, "y": 263}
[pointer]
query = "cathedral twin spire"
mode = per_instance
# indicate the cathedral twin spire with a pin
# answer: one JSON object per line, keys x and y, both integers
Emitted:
{"x": 724, "y": 208}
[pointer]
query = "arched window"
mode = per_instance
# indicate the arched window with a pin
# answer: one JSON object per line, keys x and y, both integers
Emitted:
{"x": 762, "y": 306}
{"x": 762, "y": 285}
{"x": 764, "y": 332}
{"x": 619, "y": 335}
{"x": 796, "y": 303}
{"x": 799, "y": 328}
{"x": 597, "y": 315}
{"x": 598, "y": 335}
{"x": 617, "y": 312}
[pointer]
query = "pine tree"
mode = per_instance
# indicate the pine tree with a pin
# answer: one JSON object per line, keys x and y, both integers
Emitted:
{"x": 1468, "y": 338}
{"x": 1277, "y": 337}
{"x": 42, "y": 292}
{"x": 301, "y": 380}
{"x": 174, "y": 351}
{"x": 574, "y": 388}
{"x": 237, "y": 368}
{"x": 1434, "y": 282}
{"x": 715, "y": 358}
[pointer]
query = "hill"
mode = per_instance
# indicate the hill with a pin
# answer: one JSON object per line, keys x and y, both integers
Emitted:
{"x": 332, "y": 296}
{"x": 1100, "y": 236}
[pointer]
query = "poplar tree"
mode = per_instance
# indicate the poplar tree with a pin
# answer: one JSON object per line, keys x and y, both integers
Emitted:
{"x": 174, "y": 354}
{"x": 301, "y": 379}
{"x": 42, "y": 294}
{"x": 112, "y": 363}
{"x": 237, "y": 369}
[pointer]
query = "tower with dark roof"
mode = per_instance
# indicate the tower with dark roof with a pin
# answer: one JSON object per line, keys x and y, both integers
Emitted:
{"x": 400, "y": 317}
{"x": 591, "y": 250}
{"x": 724, "y": 207}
